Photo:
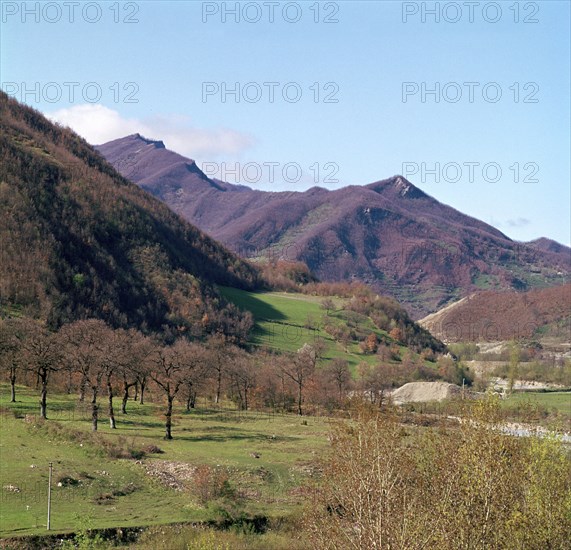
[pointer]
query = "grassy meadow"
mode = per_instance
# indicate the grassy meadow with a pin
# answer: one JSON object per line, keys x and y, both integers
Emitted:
{"x": 264, "y": 458}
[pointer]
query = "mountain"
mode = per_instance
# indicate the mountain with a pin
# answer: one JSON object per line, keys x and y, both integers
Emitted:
{"x": 493, "y": 316}
{"x": 389, "y": 234}
{"x": 78, "y": 240}
{"x": 549, "y": 245}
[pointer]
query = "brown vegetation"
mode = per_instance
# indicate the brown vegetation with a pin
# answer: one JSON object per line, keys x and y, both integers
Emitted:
{"x": 492, "y": 316}
{"x": 474, "y": 487}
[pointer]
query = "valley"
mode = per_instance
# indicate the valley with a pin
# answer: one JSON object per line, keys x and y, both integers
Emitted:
{"x": 191, "y": 393}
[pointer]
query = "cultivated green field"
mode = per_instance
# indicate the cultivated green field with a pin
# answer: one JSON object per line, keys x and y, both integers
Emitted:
{"x": 266, "y": 458}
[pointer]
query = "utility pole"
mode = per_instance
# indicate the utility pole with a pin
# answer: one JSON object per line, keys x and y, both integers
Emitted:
{"x": 49, "y": 496}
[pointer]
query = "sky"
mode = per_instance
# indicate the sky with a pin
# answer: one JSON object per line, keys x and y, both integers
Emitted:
{"x": 470, "y": 101}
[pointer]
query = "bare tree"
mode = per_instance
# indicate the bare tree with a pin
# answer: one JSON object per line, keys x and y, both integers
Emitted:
{"x": 470, "y": 487}
{"x": 328, "y": 305}
{"x": 299, "y": 369}
{"x": 87, "y": 347}
{"x": 218, "y": 362}
{"x": 118, "y": 358}
{"x": 196, "y": 373}
{"x": 132, "y": 360}
{"x": 338, "y": 372}
{"x": 10, "y": 353}
{"x": 170, "y": 366}
{"x": 242, "y": 376}
{"x": 41, "y": 354}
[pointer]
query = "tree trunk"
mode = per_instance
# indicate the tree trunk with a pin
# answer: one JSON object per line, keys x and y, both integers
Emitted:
{"x": 94, "y": 410}
{"x": 189, "y": 399}
{"x": 82, "y": 386}
{"x": 126, "y": 387}
{"x": 125, "y": 399}
{"x": 299, "y": 400}
{"x": 111, "y": 411}
{"x": 218, "y": 387}
{"x": 168, "y": 423}
{"x": 245, "y": 398}
{"x": 12, "y": 385}
{"x": 283, "y": 394}
{"x": 143, "y": 384}
{"x": 136, "y": 396}
{"x": 43, "y": 375}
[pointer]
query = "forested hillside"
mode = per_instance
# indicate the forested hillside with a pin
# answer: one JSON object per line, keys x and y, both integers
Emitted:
{"x": 77, "y": 240}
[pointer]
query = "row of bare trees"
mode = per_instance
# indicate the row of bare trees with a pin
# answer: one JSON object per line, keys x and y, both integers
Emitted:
{"x": 94, "y": 360}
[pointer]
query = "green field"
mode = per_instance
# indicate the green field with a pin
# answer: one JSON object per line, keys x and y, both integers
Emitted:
{"x": 560, "y": 401}
{"x": 281, "y": 322}
{"x": 118, "y": 492}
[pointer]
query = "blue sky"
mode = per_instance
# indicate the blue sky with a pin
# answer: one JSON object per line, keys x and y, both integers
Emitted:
{"x": 152, "y": 72}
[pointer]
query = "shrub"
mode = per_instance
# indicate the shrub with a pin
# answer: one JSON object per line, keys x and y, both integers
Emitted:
{"x": 211, "y": 484}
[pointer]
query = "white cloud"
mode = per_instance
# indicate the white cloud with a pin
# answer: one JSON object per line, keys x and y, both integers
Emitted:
{"x": 519, "y": 222}
{"x": 99, "y": 124}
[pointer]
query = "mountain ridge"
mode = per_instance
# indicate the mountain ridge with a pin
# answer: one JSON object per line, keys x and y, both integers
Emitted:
{"x": 388, "y": 233}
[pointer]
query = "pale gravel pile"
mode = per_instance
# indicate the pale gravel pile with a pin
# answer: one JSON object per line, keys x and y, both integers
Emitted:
{"x": 414, "y": 392}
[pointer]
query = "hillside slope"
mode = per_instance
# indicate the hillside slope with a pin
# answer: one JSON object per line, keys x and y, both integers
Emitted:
{"x": 493, "y": 316}
{"x": 286, "y": 321}
{"x": 78, "y": 240}
{"x": 388, "y": 234}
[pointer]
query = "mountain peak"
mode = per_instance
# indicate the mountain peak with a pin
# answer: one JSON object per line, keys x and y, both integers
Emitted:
{"x": 398, "y": 185}
{"x": 157, "y": 143}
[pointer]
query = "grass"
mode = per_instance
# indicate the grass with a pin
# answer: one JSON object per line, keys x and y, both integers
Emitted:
{"x": 281, "y": 323}
{"x": 486, "y": 282}
{"x": 560, "y": 401}
{"x": 281, "y": 317}
{"x": 551, "y": 410}
{"x": 118, "y": 492}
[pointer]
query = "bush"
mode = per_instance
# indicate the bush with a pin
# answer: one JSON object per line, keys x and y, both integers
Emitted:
{"x": 211, "y": 484}
{"x": 153, "y": 450}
